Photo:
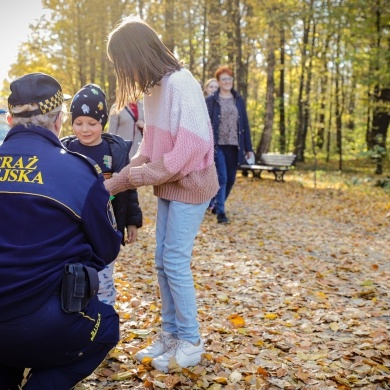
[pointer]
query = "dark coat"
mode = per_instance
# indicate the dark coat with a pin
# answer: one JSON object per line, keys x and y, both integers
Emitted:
{"x": 54, "y": 211}
{"x": 125, "y": 204}
{"x": 243, "y": 129}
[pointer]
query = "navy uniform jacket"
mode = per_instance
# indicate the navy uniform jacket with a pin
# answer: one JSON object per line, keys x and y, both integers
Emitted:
{"x": 54, "y": 210}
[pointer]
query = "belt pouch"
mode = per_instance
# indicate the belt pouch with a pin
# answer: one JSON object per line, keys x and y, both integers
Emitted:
{"x": 79, "y": 285}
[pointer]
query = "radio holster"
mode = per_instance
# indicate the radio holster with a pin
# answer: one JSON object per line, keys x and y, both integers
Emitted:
{"x": 79, "y": 285}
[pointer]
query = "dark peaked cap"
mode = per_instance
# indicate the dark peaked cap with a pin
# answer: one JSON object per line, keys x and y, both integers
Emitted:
{"x": 38, "y": 88}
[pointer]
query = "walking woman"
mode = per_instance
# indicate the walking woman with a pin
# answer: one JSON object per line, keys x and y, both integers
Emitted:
{"x": 232, "y": 136}
{"x": 176, "y": 157}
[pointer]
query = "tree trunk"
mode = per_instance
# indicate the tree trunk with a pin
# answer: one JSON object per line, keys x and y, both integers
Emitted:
{"x": 381, "y": 100}
{"x": 169, "y": 33}
{"x": 338, "y": 108}
{"x": 380, "y": 125}
{"x": 320, "y": 139}
{"x": 282, "y": 119}
{"x": 241, "y": 84}
{"x": 266, "y": 137}
{"x": 81, "y": 47}
{"x": 204, "y": 40}
{"x": 368, "y": 121}
{"x": 190, "y": 32}
{"x": 141, "y": 8}
{"x": 330, "y": 121}
{"x": 351, "y": 105}
{"x": 230, "y": 30}
{"x": 214, "y": 31}
{"x": 306, "y": 107}
{"x": 299, "y": 137}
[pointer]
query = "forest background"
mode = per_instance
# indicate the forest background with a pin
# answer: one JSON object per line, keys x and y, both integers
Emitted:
{"x": 315, "y": 74}
{"x": 294, "y": 293}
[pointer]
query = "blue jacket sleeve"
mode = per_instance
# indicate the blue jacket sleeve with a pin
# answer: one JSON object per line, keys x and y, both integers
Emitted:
{"x": 133, "y": 210}
{"x": 247, "y": 131}
{"x": 99, "y": 223}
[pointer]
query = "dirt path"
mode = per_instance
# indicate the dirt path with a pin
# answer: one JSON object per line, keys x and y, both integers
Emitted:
{"x": 293, "y": 294}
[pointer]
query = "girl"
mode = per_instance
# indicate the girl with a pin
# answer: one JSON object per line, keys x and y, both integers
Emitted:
{"x": 176, "y": 157}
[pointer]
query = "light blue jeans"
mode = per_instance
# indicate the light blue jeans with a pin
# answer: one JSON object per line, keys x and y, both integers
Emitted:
{"x": 176, "y": 228}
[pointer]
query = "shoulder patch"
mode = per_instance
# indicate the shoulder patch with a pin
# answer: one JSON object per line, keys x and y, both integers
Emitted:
{"x": 94, "y": 164}
{"x": 111, "y": 215}
{"x": 97, "y": 168}
{"x": 91, "y": 163}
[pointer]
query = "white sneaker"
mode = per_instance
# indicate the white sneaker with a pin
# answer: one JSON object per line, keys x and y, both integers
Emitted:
{"x": 160, "y": 345}
{"x": 183, "y": 353}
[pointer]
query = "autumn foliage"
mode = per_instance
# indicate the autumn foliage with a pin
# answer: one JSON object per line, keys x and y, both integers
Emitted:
{"x": 293, "y": 294}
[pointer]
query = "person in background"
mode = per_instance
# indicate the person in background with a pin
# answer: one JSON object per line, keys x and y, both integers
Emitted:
{"x": 232, "y": 136}
{"x": 128, "y": 123}
{"x": 210, "y": 87}
{"x": 176, "y": 157}
{"x": 89, "y": 117}
{"x": 56, "y": 217}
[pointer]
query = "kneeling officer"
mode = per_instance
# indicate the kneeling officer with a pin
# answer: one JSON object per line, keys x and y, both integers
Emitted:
{"x": 56, "y": 230}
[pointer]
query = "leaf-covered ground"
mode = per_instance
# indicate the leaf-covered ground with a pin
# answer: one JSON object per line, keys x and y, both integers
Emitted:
{"x": 293, "y": 294}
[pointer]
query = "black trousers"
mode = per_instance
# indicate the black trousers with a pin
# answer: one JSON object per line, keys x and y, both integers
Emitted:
{"x": 60, "y": 349}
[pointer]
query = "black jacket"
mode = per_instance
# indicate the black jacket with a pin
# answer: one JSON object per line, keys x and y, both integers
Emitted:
{"x": 125, "y": 204}
{"x": 243, "y": 129}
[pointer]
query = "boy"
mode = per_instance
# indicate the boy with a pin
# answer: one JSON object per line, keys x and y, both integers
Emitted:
{"x": 89, "y": 117}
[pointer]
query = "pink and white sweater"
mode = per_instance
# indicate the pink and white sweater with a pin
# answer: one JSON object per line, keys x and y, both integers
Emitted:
{"x": 176, "y": 155}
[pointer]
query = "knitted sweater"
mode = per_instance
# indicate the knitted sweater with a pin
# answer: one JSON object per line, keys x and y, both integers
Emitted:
{"x": 176, "y": 155}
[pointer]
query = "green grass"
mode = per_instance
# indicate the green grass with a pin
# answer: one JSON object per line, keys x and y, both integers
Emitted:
{"x": 357, "y": 174}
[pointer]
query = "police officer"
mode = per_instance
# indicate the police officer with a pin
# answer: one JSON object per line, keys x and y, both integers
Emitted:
{"x": 55, "y": 214}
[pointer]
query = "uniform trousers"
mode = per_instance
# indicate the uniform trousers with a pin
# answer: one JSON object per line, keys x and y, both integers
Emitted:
{"x": 60, "y": 349}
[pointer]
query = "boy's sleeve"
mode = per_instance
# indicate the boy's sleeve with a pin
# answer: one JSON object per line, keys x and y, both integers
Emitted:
{"x": 133, "y": 210}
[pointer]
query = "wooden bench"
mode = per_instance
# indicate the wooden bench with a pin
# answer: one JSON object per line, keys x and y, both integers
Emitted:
{"x": 278, "y": 164}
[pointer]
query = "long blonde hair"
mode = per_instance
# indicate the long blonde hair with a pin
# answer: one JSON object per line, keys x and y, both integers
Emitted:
{"x": 140, "y": 59}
